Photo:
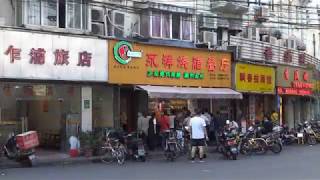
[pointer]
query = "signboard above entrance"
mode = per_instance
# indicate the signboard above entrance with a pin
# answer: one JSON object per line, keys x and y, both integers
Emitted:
{"x": 254, "y": 78}
{"x": 135, "y": 63}
{"x": 294, "y": 81}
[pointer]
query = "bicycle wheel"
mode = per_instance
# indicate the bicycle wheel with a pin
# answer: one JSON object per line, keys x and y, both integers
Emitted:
{"x": 276, "y": 148}
{"x": 261, "y": 147}
{"x": 311, "y": 140}
{"x": 107, "y": 157}
{"x": 245, "y": 149}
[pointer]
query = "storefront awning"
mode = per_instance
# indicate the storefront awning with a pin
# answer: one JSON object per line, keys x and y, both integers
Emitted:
{"x": 190, "y": 93}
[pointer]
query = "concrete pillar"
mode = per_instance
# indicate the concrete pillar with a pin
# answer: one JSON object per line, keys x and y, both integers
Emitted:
{"x": 252, "y": 108}
{"x": 86, "y": 108}
{"x": 289, "y": 113}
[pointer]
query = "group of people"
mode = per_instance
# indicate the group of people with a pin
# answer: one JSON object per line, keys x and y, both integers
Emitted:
{"x": 202, "y": 126}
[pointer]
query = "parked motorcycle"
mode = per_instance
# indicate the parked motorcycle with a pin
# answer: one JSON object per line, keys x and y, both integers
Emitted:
{"x": 21, "y": 147}
{"x": 230, "y": 145}
{"x": 310, "y": 135}
{"x": 251, "y": 143}
{"x": 287, "y": 137}
{"x": 135, "y": 145}
{"x": 273, "y": 142}
{"x": 171, "y": 144}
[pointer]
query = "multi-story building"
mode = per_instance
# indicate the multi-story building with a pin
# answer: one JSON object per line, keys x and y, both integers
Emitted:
{"x": 57, "y": 52}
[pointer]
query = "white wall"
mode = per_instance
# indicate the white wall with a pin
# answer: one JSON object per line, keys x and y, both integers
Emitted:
{"x": 86, "y": 109}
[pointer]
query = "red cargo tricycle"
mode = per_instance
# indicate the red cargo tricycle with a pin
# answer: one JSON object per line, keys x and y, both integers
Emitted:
{"x": 22, "y": 147}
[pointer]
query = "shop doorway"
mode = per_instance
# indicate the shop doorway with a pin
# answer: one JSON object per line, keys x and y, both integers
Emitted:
{"x": 44, "y": 116}
{"x": 127, "y": 118}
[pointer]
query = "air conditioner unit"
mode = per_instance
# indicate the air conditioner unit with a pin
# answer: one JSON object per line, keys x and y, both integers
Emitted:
{"x": 118, "y": 20}
{"x": 207, "y": 22}
{"x": 265, "y": 38}
{"x": 301, "y": 46}
{"x": 283, "y": 42}
{"x": 273, "y": 40}
{"x": 261, "y": 14}
{"x": 97, "y": 15}
{"x": 209, "y": 37}
{"x": 98, "y": 28}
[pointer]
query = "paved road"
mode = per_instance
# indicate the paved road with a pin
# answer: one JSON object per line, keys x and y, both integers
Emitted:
{"x": 294, "y": 163}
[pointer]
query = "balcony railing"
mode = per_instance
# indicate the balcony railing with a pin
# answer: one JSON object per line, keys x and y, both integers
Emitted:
{"x": 264, "y": 52}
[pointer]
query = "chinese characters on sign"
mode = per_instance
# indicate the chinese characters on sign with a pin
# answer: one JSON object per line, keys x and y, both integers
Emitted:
{"x": 302, "y": 58}
{"x": 165, "y": 65}
{"x": 61, "y": 57}
{"x": 84, "y": 59}
{"x": 257, "y": 78}
{"x": 268, "y": 54}
{"x": 287, "y": 56}
{"x": 15, "y": 53}
{"x": 254, "y": 78}
{"x": 182, "y": 63}
{"x": 38, "y": 56}
{"x": 294, "y": 81}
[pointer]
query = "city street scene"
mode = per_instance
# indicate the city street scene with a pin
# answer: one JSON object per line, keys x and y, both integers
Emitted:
{"x": 165, "y": 89}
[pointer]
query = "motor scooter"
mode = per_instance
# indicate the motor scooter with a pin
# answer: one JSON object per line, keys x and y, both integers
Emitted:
{"x": 21, "y": 147}
{"x": 230, "y": 145}
{"x": 136, "y": 146}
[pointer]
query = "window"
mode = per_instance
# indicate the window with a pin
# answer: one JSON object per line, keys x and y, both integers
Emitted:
{"x": 171, "y": 26}
{"x": 119, "y": 23}
{"x": 77, "y": 14}
{"x": 49, "y": 12}
{"x": 156, "y": 24}
{"x": 56, "y": 13}
{"x": 186, "y": 28}
{"x": 166, "y": 25}
{"x": 32, "y": 12}
{"x": 176, "y": 26}
{"x": 73, "y": 15}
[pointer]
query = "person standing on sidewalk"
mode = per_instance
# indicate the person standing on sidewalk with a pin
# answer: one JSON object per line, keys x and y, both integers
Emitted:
{"x": 164, "y": 127}
{"x": 198, "y": 135}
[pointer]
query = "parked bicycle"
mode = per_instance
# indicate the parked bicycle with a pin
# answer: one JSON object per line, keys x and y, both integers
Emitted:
{"x": 250, "y": 143}
{"x": 113, "y": 149}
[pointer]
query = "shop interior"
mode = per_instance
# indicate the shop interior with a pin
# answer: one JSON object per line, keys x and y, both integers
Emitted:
{"x": 134, "y": 101}
{"x": 53, "y": 110}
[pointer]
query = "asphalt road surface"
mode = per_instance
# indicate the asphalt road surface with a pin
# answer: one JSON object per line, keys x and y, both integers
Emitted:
{"x": 294, "y": 163}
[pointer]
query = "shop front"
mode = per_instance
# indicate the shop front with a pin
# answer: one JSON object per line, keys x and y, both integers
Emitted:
{"x": 161, "y": 77}
{"x": 257, "y": 83}
{"x": 294, "y": 88}
{"x": 52, "y": 84}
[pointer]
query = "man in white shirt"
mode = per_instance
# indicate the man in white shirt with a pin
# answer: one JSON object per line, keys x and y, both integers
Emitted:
{"x": 143, "y": 123}
{"x": 198, "y": 135}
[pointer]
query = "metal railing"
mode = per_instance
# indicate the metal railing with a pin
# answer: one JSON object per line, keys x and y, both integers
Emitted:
{"x": 252, "y": 50}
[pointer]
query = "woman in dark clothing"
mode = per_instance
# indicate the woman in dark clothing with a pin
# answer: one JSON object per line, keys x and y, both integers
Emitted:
{"x": 152, "y": 132}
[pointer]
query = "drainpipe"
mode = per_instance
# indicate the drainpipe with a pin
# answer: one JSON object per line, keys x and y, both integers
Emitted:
{"x": 314, "y": 45}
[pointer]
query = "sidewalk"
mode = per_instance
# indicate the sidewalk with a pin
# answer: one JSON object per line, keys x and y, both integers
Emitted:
{"x": 55, "y": 158}
{"x": 51, "y": 158}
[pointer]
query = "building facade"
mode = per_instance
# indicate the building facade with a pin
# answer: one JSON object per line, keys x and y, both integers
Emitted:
{"x": 57, "y": 49}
